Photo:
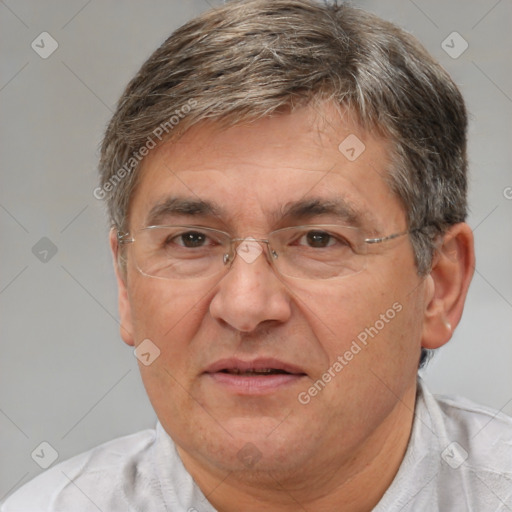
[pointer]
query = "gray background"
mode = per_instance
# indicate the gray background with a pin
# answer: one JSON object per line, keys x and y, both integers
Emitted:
{"x": 65, "y": 375}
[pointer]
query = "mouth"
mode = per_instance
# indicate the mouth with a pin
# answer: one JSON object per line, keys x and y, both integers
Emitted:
{"x": 259, "y": 376}
{"x": 254, "y": 372}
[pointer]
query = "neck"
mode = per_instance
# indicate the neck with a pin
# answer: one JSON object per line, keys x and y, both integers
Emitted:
{"x": 354, "y": 484}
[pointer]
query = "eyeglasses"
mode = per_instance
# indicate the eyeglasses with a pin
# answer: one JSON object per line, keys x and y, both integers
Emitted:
{"x": 320, "y": 251}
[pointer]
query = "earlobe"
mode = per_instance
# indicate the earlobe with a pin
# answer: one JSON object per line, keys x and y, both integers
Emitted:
{"x": 125, "y": 315}
{"x": 447, "y": 285}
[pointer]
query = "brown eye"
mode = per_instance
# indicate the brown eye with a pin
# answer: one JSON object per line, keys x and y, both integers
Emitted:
{"x": 319, "y": 239}
{"x": 190, "y": 239}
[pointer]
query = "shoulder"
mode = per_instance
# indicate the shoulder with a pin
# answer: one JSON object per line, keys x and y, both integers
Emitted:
{"x": 484, "y": 433}
{"x": 459, "y": 457}
{"x": 475, "y": 448}
{"x": 82, "y": 481}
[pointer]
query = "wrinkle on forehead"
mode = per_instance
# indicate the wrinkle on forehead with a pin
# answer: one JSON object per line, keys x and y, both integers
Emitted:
{"x": 246, "y": 174}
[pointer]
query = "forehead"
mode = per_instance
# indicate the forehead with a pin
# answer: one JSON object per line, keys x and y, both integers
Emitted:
{"x": 314, "y": 160}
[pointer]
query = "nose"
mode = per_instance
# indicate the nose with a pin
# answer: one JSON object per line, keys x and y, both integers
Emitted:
{"x": 250, "y": 293}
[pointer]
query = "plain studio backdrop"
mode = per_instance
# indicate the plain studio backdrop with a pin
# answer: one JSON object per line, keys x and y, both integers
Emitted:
{"x": 66, "y": 378}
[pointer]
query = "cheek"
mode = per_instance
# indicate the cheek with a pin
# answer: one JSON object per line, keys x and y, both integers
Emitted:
{"x": 370, "y": 342}
{"x": 340, "y": 313}
{"x": 373, "y": 322}
{"x": 167, "y": 313}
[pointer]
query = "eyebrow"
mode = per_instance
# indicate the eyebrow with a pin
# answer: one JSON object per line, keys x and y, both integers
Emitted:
{"x": 302, "y": 210}
{"x": 181, "y": 206}
{"x": 337, "y": 207}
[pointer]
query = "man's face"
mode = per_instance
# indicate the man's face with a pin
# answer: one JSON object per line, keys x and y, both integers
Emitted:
{"x": 252, "y": 316}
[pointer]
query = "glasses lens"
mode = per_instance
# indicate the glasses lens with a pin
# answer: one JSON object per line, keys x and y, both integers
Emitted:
{"x": 306, "y": 252}
{"x": 180, "y": 252}
{"x": 318, "y": 252}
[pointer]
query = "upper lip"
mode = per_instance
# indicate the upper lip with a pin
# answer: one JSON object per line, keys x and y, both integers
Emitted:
{"x": 234, "y": 363}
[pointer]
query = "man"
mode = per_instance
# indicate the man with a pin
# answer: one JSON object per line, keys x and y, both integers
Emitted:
{"x": 286, "y": 182}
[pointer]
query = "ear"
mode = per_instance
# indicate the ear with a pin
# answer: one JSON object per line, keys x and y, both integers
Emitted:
{"x": 447, "y": 285}
{"x": 125, "y": 312}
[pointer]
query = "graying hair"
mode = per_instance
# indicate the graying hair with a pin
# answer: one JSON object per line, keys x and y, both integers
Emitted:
{"x": 249, "y": 59}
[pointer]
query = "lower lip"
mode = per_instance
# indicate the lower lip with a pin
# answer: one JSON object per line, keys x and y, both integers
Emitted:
{"x": 254, "y": 385}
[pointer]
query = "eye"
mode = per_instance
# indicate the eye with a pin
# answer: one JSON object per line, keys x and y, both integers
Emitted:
{"x": 320, "y": 239}
{"x": 190, "y": 239}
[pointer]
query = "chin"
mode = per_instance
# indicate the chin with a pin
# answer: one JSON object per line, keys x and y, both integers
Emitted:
{"x": 253, "y": 447}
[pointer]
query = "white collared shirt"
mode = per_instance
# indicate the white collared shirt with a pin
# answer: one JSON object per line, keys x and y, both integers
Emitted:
{"x": 459, "y": 458}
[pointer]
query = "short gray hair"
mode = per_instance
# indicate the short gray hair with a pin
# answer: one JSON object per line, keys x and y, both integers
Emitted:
{"x": 249, "y": 59}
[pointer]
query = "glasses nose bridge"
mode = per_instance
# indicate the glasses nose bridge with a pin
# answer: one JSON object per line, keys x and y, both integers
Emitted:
{"x": 248, "y": 254}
